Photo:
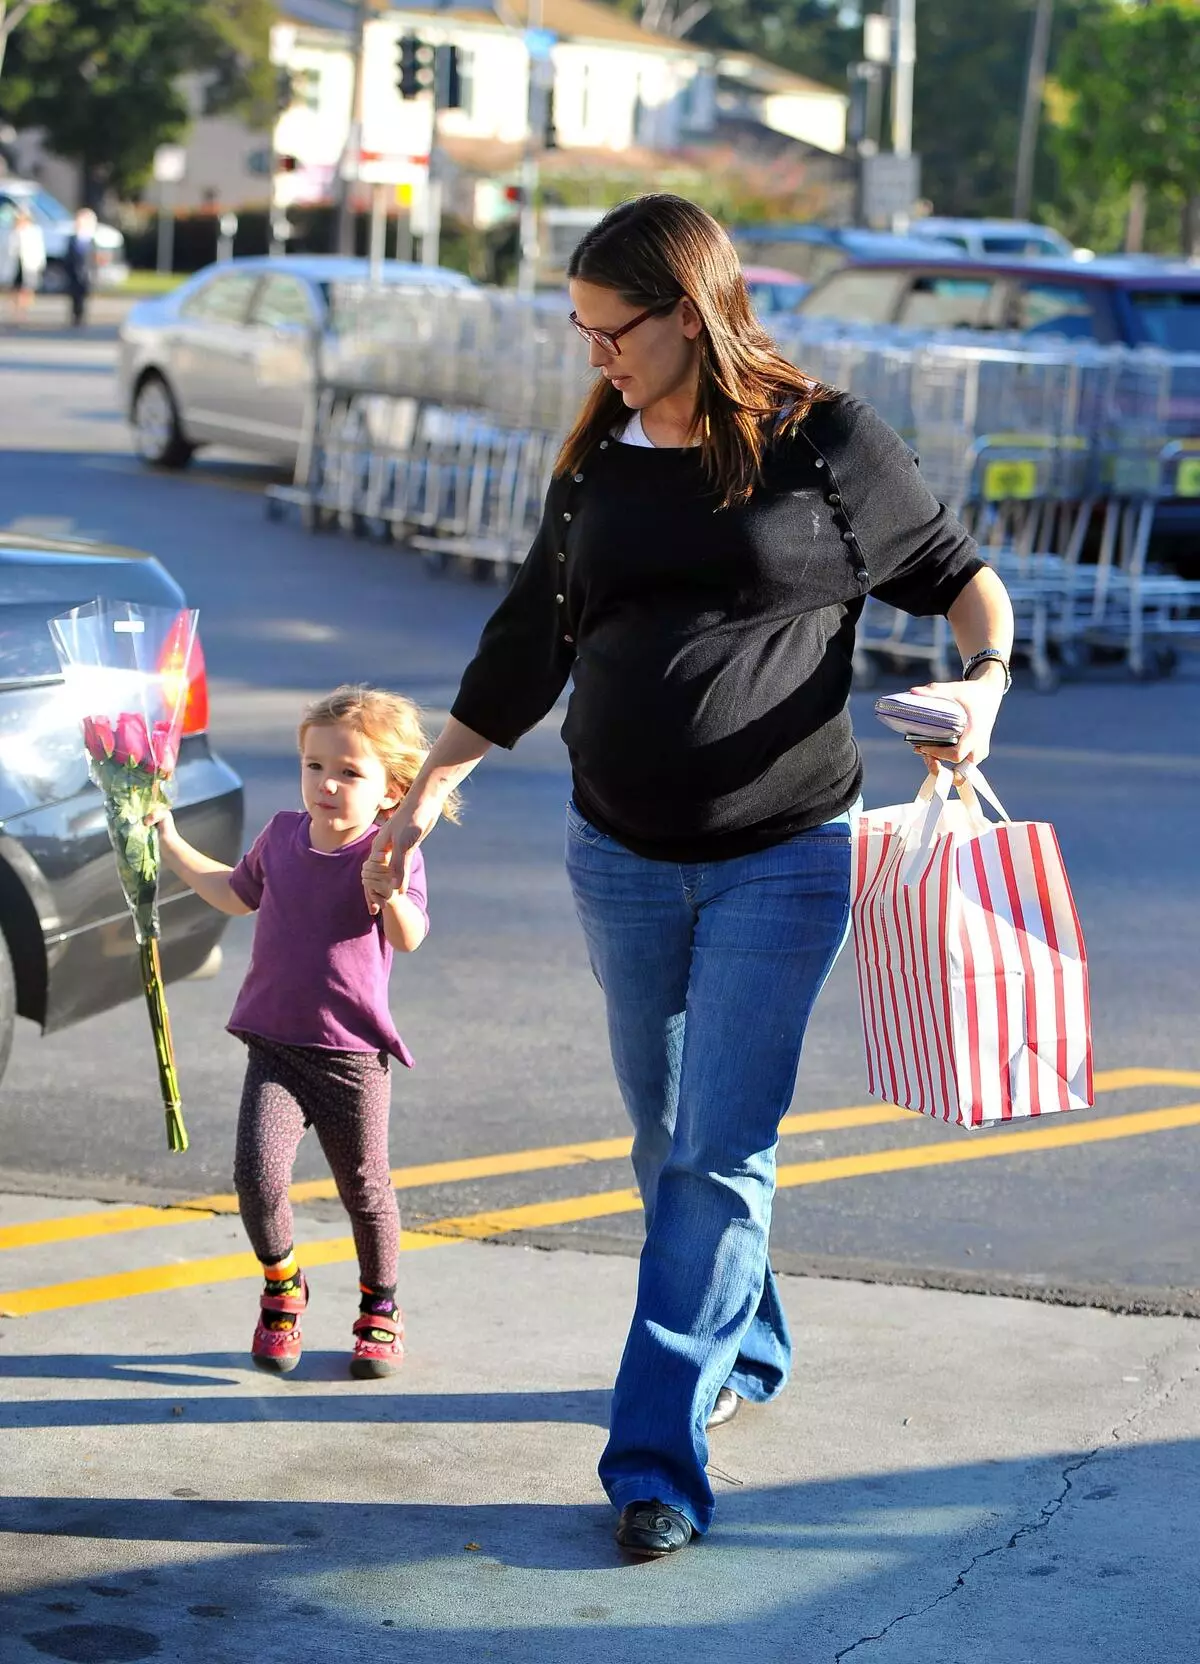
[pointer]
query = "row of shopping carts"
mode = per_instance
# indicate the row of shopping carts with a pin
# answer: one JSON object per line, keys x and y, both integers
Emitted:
{"x": 437, "y": 415}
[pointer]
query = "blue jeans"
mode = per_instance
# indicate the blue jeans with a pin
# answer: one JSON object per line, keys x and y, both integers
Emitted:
{"x": 709, "y": 973}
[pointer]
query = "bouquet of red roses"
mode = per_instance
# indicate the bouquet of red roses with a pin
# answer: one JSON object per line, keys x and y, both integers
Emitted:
{"x": 128, "y": 669}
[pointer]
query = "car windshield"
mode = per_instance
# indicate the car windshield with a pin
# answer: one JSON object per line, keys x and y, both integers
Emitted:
{"x": 1020, "y": 243}
{"x": 46, "y": 208}
{"x": 1168, "y": 318}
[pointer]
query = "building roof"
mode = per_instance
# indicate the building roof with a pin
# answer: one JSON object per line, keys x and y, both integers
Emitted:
{"x": 758, "y": 75}
{"x": 569, "y": 19}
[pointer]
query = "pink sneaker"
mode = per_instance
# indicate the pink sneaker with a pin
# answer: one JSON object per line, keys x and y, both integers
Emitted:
{"x": 378, "y": 1348}
{"x": 279, "y": 1349}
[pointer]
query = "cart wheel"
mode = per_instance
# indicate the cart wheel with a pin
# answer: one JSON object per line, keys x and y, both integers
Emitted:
{"x": 273, "y": 509}
{"x": 360, "y": 526}
{"x": 1147, "y": 671}
{"x": 435, "y": 561}
{"x": 483, "y": 571}
{"x": 1167, "y": 661}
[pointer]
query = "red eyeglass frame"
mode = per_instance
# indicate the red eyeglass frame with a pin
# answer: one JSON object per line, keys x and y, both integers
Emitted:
{"x": 608, "y": 339}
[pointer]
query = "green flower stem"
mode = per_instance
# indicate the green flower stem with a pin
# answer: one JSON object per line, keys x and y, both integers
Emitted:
{"x": 160, "y": 1027}
{"x": 131, "y": 793}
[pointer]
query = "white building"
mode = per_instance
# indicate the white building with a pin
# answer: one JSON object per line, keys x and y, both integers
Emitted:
{"x": 611, "y": 86}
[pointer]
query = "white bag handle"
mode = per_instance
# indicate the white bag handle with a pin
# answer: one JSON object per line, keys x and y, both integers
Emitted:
{"x": 934, "y": 795}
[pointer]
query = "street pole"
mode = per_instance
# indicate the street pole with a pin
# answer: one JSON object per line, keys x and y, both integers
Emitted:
{"x": 535, "y": 123}
{"x": 904, "y": 62}
{"x": 165, "y": 255}
{"x": 1031, "y": 113}
{"x": 378, "y": 231}
{"x": 348, "y": 167}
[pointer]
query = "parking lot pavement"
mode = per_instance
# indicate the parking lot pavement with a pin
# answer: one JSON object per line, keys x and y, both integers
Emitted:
{"x": 946, "y": 1479}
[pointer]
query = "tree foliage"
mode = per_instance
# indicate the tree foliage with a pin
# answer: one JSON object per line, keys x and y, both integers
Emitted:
{"x": 970, "y": 78}
{"x": 1124, "y": 101}
{"x": 102, "y": 77}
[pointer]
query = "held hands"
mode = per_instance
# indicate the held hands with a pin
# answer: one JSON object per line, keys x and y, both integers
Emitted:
{"x": 378, "y": 879}
{"x": 386, "y": 869}
{"x": 980, "y": 699}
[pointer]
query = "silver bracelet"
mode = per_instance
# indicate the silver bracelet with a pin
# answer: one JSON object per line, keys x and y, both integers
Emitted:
{"x": 987, "y": 655}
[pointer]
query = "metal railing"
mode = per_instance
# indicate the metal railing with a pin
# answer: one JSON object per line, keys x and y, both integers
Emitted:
{"x": 436, "y": 416}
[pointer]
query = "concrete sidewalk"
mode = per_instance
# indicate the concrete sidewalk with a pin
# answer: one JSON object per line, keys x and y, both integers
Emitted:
{"x": 949, "y": 1479}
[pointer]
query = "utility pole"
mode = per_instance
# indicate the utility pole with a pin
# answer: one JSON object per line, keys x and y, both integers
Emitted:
{"x": 904, "y": 63}
{"x": 1031, "y": 113}
{"x": 535, "y": 124}
{"x": 348, "y": 168}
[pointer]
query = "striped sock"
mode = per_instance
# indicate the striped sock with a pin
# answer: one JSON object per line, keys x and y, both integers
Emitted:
{"x": 282, "y": 1277}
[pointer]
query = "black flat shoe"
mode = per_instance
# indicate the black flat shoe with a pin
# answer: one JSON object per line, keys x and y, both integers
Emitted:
{"x": 727, "y": 1406}
{"x": 652, "y": 1529}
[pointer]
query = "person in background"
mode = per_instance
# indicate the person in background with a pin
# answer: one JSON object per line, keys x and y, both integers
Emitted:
{"x": 30, "y": 249}
{"x": 80, "y": 263}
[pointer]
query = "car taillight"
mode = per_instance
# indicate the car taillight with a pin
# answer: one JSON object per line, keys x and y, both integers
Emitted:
{"x": 183, "y": 672}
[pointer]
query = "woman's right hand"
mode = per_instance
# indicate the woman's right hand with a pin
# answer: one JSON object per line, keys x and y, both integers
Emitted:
{"x": 398, "y": 838}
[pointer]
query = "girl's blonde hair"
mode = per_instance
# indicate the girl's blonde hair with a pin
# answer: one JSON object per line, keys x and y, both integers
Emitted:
{"x": 391, "y": 725}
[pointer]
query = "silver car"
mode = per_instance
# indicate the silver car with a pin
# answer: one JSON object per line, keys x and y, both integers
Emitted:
{"x": 228, "y": 358}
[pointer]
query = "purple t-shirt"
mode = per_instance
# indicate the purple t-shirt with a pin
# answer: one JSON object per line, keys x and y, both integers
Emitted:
{"x": 319, "y": 965}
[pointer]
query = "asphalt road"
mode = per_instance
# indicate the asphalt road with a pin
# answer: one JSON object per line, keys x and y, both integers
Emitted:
{"x": 499, "y": 1005}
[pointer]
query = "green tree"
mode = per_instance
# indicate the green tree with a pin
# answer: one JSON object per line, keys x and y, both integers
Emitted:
{"x": 102, "y": 77}
{"x": 969, "y": 87}
{"x": 1125, "y": 106}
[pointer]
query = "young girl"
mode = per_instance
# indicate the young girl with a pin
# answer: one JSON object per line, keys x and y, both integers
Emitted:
{"x": 313, "y": 1010}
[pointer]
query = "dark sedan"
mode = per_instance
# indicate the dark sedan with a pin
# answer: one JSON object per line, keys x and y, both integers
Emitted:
{"x": 66, "y": 938}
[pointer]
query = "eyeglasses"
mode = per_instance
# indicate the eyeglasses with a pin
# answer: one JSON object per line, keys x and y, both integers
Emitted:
{"x": 607, "y": 339}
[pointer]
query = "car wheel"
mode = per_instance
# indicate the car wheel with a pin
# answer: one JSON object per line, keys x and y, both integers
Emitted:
{"x": 157, "y": 435}
{"x": 8, "y": 1003}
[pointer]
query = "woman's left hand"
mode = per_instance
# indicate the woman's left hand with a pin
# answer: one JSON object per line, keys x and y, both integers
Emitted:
{"x": 980, "y": 699}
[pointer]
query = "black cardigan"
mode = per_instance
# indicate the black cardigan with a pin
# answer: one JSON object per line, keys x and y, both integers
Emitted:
{"x": 710, "y": 648}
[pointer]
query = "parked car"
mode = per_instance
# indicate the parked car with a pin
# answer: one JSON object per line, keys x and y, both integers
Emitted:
{"x": 1003, "y": 239}
{"x": 811, "y": 252}
{"x": 1130, "y": 302}
{"x": 1135, "y": 302}
{"x": 228, "y": 358}
{"x": 67, "y": 948}
{"x": 57, "y": 223}
{"x": 773, "y": 290}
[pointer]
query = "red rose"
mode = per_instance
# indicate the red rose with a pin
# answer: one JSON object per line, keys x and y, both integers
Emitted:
{"x": 132, "y": 742}
{"x": 98, "y": 737}
{"x": 163, "y": 748}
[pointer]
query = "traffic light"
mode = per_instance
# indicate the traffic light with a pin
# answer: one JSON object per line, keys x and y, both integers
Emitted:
{"x": 447, "y": 78}
{"x": 414, "y": 67}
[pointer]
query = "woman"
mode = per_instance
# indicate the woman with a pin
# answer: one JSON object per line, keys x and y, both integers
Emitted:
{"x": 30, "y": 248}
{"x": 714, "y": 525}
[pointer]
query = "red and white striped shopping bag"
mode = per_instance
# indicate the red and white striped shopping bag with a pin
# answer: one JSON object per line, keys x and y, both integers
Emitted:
{"x": 971, "y": 965}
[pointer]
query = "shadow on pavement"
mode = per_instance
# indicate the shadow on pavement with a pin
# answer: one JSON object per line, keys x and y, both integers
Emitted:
{"x": 1058, "y": 1557}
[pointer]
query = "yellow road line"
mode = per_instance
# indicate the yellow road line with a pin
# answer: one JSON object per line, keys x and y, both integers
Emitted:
{"x": 1056, "y": 1134}
{"x": 116, "y": 1220}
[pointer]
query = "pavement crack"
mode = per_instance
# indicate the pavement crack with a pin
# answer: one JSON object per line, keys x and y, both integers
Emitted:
{"x": 1049, "y": 1510}
{"x": 1162, "y": 1391}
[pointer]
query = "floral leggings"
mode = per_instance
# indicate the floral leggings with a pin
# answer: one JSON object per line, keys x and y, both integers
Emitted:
{"x": 345, "y": 1096}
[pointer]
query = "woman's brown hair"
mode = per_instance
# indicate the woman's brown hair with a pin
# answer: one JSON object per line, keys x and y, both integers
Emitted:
{"x": 391, "y": 725}
{"x": 654, "y": 251}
